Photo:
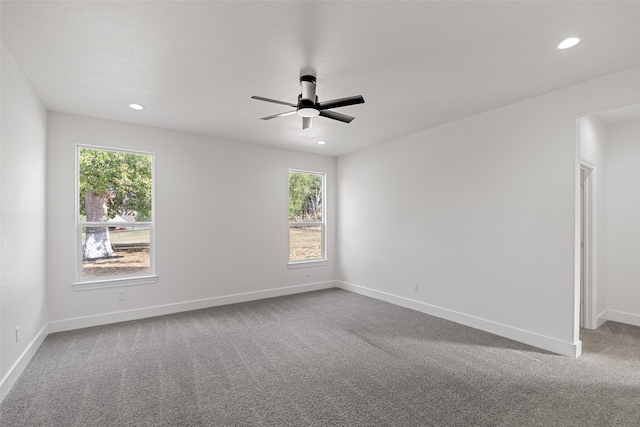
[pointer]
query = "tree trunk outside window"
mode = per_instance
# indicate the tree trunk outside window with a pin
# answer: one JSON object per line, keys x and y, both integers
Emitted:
{"x": 97, "y": 243}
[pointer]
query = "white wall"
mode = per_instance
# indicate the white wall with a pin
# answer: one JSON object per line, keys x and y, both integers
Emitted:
{"x": 593, "y": 141}
{"x": 221, "y": 222}
{"x": 23, "y": 291}
{"x": 482, "y": 213}
{"x": 623, "y": 222}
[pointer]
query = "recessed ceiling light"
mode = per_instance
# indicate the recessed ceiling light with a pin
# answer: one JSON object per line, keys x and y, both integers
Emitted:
{"x": 136, "y": 106}
{"x": 321, "y": 142}
{"x": 568, "y": 43}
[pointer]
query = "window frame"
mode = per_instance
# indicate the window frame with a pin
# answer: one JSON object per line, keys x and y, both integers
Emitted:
{"x": 146, "y": 277}
{"x": 323, "y": 260}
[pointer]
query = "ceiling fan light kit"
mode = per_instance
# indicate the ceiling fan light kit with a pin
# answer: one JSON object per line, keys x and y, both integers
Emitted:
{"x": 308, "y": 106}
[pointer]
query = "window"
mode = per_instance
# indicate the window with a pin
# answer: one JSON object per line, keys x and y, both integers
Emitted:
{"x": 115, "y": 223}
{"x": 306, "y": 218}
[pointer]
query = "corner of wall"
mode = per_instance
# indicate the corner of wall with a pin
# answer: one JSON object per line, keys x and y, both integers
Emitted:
{"x": 18, "y": 367}
{"x": 23, "y": 278}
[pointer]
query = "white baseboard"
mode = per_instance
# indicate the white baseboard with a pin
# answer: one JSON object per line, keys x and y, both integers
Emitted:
{"x": 141, "y": 313}
{"x": 18, "y": 367}
{"x": 546, "y": 343}
{"x": 601, "y": 319}
{"x": 619, "y": 316}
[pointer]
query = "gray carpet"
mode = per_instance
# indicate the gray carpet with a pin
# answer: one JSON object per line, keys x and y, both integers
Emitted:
{"x": 326, "y": 358}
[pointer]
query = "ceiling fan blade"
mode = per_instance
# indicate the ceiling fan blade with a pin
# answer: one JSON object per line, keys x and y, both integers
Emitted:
{"x": 259, "y": 98}
{"x": 336, "y": 116}
{"x": 307, "y": 122}
{"x": 342, "y": 102}
{"x": 275, "y": 116}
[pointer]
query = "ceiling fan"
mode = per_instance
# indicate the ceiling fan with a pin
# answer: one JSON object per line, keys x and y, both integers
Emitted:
{"x": 308, "y": 106}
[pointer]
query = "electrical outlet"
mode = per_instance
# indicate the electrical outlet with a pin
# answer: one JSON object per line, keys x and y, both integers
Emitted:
{"x": 122, "y": 295}
{"x": 17, "y": 329}
{"x": 308, "y": 273}
{"x": 415, "y": 287}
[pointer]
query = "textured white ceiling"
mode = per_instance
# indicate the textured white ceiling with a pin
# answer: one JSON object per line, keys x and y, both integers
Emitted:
{"x": 195, "y": 65}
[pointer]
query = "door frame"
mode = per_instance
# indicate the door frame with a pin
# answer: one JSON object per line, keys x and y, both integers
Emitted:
{"x": 587, "y": 259}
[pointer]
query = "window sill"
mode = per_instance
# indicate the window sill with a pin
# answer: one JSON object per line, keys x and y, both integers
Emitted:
{"x": 110, "y": 283}
{"x": 303, "y": 264}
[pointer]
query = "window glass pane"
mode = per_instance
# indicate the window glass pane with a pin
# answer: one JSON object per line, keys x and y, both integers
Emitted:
{"x": 127, "y": 251}
{"x": 305, "y": 197}
{"x": 112, "y": 184}
{"x": 115, "y": 187}
{"x": 305, "y": 243}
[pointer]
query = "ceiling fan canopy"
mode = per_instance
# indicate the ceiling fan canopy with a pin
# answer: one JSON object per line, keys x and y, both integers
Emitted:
{"x": 308, "y": 106}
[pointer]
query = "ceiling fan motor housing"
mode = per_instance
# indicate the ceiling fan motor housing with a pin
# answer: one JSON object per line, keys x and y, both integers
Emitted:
{"x": 307, "y": 99}
{"x": 306, "y": 108}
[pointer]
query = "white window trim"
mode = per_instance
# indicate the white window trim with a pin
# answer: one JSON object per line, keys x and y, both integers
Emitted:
{"x": 316, "y": 262}
{"x": 115, "y": 282}
{"x": 118, "y": 280}
{"x": 309, "y": 263}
